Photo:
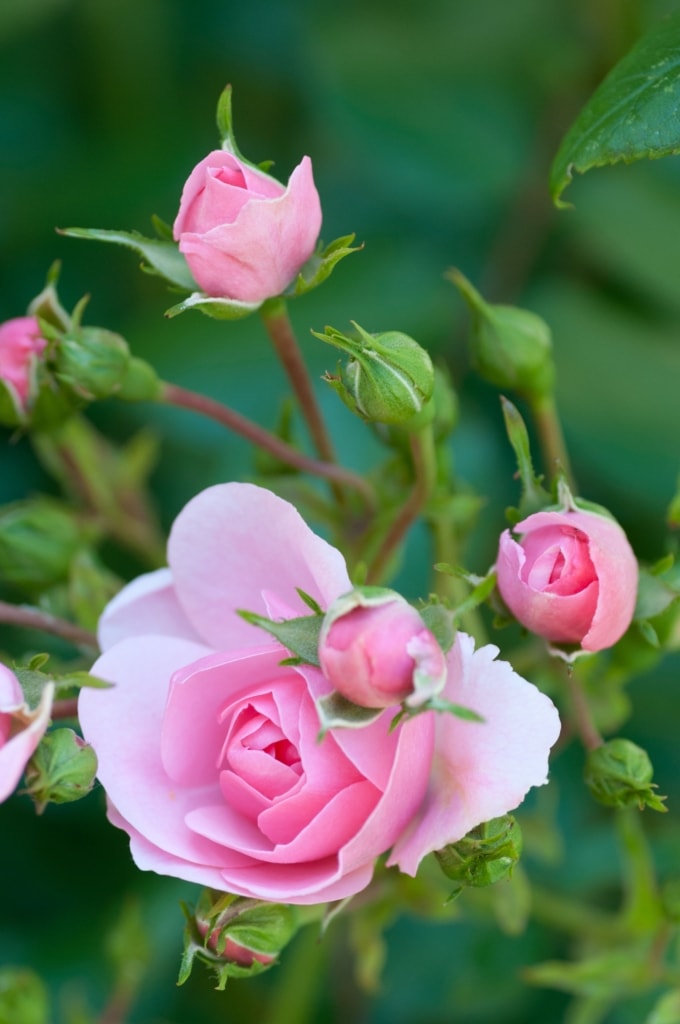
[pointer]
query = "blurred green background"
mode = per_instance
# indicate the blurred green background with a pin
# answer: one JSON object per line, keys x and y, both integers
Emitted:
{"x": 431, "y": 127}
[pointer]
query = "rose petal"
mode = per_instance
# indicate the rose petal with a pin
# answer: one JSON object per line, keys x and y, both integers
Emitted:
{"x": 480, "y": 769}
{"x": 147, "y": 605}
{"x": 18, "y": 749}
{"x": 232, "y": 541}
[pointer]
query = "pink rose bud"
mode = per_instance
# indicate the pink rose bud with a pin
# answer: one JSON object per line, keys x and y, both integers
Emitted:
{"x": 244, "y": 235}
{"x": 20, "y": 344}
{"x": 571, "y": 577}
{"x": 376, "y": 650}
{"x": 21, "y": 729}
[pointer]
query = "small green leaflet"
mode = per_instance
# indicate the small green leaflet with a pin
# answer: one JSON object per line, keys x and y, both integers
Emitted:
{"x": 635, "y": 112}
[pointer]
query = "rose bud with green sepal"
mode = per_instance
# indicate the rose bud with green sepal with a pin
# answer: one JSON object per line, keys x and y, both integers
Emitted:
{"x": 21, "y": 346}
{"x": 21, "y": 728}
{"x": 569, "y": 575}
{"x": 389, "y": 379}
{"x": 376, "y": 650}
{"x": 61, "y": 770}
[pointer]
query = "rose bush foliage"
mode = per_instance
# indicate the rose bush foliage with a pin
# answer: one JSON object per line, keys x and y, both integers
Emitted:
{"x": 208, "y": 747}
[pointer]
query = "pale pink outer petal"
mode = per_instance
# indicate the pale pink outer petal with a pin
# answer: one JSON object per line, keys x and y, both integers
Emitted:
{"x": 615, "y": 565}
{"x": 231, "y": 542}
{"x": 561, "y": 618}
{"x": 258, "y": 255}
{"x": 146, "y": 605}
{"x": 17, "y": 750}
{"x": 480, "y": 770}
{"x": 256, "y": 181}
{"x": 124, "y": 723}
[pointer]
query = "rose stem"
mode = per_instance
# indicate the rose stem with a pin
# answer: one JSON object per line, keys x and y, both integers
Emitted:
{"x": 588, "y": 731}
{"x": 278, "y": 325}
{"x": 551, "y": 438}
{"x": 452, "y": 587}
{"x": 173, "y": 394}
{"x": 425, "y": 468}
{"x": 31, "y": 618}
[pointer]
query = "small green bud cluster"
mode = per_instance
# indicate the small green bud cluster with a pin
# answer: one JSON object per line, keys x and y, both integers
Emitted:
{"x": 619, "y": 774}
{"x": 487, "y": 854}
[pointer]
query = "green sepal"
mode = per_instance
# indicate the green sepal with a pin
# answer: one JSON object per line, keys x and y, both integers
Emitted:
{"x": 438, "y": 704}
{"x": 440, "y": 622}
{"x": 301, "y": 635}
{"x": 632, "y": 115}
{"x": 161, "y": 256}
{"x": 33, "y": 680}
{"x": 322, "y": 264}
{"x": 534, "y": 495}
{"x": 336, "y": 712}
{"x": 217, "y": 308}
{"x": 482, "y": 588}
{"x": 61, "y": 770}
{"x": 46, "y": 306}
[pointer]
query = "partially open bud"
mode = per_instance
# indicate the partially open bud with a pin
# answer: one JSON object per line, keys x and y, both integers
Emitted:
{"x": 511, "y": 347}
{"x": 21, "y": 728}
{"x": 389, "y": 379}
{"x": 487, "y": 854}
{"x": 237, "y": 936}
{"x": 376, "y": 650}
{"x": 21, "y": 345}
{"x": 619, "y": 774}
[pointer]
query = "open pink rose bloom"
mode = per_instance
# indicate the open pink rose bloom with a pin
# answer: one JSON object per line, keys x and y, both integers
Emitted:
{"x": 244, "y": 235}
{"x": 21, "y": 729}
{"x": 571, "y": 577}
{"x": 208, "y": 747}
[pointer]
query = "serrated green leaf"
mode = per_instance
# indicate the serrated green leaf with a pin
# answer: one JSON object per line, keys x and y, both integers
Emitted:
{"x": 218, "y": 309}
{"x": 635, "y": 112}
{"x": 162, "y": 256}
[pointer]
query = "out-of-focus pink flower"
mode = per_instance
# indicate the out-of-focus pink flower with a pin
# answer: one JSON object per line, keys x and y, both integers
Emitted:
{"x": 244, "y": 235}
{"x": 20, "y": 729}
{"x": 208, "y": 747}
{"x": 20, "y": 344}
{"x": 570, "y": 577}
{"x": 372, "y": 647}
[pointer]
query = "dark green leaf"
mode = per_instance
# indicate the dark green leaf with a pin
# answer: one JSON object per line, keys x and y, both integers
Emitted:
{"x": 301, "y": 636}
{"x": 635, "y": 112}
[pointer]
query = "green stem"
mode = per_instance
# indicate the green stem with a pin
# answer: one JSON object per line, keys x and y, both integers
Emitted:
{"x": 172, "y": 394}
{"x": 278, "y": 325}
{"x": 448, "y": 586}
{"x": 588, "y": 731}
{"x": 642, "y": 910}
{"x": 567, "y": 915}
{"x": 32, "y": 618}
{"x": 551, "y": 437}
{"x": 425, "y": 472}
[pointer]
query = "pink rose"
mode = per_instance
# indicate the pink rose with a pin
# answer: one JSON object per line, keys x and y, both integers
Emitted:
{"x": 244, "y": 235}
{"x": 208, "y": 747}
{"x": 374, "y": 645}
{"x": 571, "y": 577}
{"x": 20, "y": 344}
{"x": 20, "y": 729}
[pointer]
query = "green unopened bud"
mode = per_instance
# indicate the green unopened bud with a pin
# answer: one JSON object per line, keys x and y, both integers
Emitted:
{"x": 236, "y": 936}
{"x": 92, "y": 362}
{"x": 487, "y": 854}
{"x": 619, "y": 774}
{"x": 38, "y": 540}
{"x": 389, "y": 379}
{"x": 62, "y": 769}
{"x": 140, "y": 382}
{"x": 511, "y": 347}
